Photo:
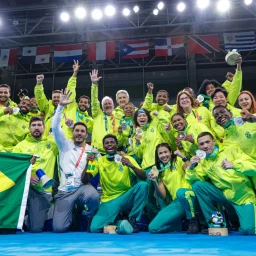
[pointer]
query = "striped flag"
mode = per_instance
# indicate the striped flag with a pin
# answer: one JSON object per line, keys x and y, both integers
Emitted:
{"x": 68, "y": 53}
{"x": 134, "y": 49}
{"x": 8, "y": 57}
{"x": 242, "y": 41}
{"x": 203, "y": 44}
{"x": 101, "y": 51}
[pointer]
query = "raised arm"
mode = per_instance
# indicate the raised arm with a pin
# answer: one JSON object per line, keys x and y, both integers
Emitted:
{"x": 41, "y": 99}
{"x": 94, "y": 92}
{"x": 149, "y": 97}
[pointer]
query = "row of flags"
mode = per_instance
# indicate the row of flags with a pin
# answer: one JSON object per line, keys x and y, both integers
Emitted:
{"x": 132, "y": 49}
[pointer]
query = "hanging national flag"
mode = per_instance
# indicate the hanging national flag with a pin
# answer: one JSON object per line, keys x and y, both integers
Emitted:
{"x": 134, "y": 49}
{"x": 242, "y": 41}
{"x": 169, "y": 46}
{"x": 15, "y": 172}
{"x": 36, "y": 55}
{"x": 8, "y": 57}
{"x": 203, "y": 44}
{"x": 68, "y": 53}
{"x": 101, "y": 51}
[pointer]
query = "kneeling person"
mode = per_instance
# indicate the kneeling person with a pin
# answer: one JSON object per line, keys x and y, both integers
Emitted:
{"x": 118, "y": 193}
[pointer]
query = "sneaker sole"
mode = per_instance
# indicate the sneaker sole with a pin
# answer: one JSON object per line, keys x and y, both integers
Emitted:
{"x": 124, "y": 227}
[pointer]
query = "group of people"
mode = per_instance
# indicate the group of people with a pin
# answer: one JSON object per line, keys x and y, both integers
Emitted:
{"x": 175, "y": 164}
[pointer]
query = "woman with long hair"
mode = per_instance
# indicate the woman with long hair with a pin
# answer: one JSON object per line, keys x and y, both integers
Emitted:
{"x": 247, "y": 102}
{"x": 168, "y": 177}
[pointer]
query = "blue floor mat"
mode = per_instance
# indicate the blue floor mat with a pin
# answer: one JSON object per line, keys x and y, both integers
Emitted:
{"x": 174, "y": 244}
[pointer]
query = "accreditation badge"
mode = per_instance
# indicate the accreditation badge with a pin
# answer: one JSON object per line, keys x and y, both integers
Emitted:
{"x": 70, "y": 181}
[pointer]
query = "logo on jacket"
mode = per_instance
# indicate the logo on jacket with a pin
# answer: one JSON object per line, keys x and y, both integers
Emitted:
{"x": 152, "y": 130}
{"x": 120, "y": 168}
{"x": 48, "y": 146}
{"x": 23, "y": 127}
{"x": 248, "y": 135}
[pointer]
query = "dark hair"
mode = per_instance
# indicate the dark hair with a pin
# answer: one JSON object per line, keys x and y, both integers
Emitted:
{"x": 191, "y": 91}
{"x": 178, "y": 114}
{"x": 56, "y": 91}
{"x": 79, "y": 123}
{"x": 202, "y": 134}
{"x": 86, "y": 97}
{"x": 137, "y": 113}
{"x": 206, "y": 82}
{"x": 5, "y": 86}
{"x": 109, "y": 136}
{"x": 129, "y": 103}
{"x": 157, "y": 161}
{"x": 36, "y": 118}
{"x": 219, "y": 89}
{"x": 219, "y": 106}
{"x": 164, "y": 92}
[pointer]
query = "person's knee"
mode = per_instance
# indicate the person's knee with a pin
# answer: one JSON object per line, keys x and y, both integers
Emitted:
{"x": 152, "y": 228}
{"x": 37, "y": 229}
{"x": 248, "y": 229}
{"x": 94, "y": 228}
{"x": 181, "y": 193}
{"x": 57, "y": 228}
{"x": 197, "y": 185}
{"x": 143, "y": 185}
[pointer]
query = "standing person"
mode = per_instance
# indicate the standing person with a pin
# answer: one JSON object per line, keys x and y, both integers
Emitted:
{"x": 73, "y": 160}
{"x": 39, "y": 199}
{"x": 228, "y": 170}
{"x": 105, "y": 121}
{"x": 6, "y": 104}
{"x": 14, "y": 127}
{"x": 170, "y": 178}
{"x": 119, "y": 193}
{"x": 122, "y": 98}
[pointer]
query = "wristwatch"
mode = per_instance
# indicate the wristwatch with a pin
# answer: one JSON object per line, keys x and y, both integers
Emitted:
{"x": 184, "y": 159}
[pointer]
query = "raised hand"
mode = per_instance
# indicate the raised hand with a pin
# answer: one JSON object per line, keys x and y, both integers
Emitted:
{"x": 167, "y": 108}
{"x": 8, "y": 111}
{"x": 94, "y": 76}
{"x": 69, "y": 122}
{"x": 239, "y": 63}
{"x": 189, "y": 138}
{"x": 64, "y": 98}
{"x": 167, "y": 127}
{"x": 39, "y": 79}
{"x": 150, "y": 86}
{"x": 76, "y": 66}
{"x": 229, "y": 76}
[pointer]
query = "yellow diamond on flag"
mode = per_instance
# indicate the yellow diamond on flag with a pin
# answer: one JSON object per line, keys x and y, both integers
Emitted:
{"x": 5, "y": 182}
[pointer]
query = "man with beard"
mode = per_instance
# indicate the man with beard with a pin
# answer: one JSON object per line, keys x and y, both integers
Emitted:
{"x": 104, "y": 120}
{"x": 6, "y": 105}
{"x": 39, "y": 199}
{"x": 161, "y": 107}
{"x": 74, "y": 156}
{"x": 14, "y": 127}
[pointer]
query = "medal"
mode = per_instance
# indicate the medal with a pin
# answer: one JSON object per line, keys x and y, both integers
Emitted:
{"x": 15, "y": 111}
{"x": 200, "y": 98}
{"x": 238, "y": 121}
{"x": 130, "y": 141}
{"x": 232, "y": 57}
{"x": 118, "y": 159}
{"x": 154, "y": 171}
{"x": 124, "y": 126}
{"x": 138, "y": 131}
{"x": 201, "y": 154}
{"x": 181, "y": 135}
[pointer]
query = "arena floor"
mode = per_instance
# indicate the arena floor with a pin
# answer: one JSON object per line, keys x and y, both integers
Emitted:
{"x": 178, "y": 244}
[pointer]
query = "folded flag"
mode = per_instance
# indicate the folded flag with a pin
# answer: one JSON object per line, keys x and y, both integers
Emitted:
{"x": 134, "y": 49}
{"x": 101, "y": 51}
{"x": 242, "y": 41}
{"x": 68, "y": 53}
{"x": 36, "y": 55}
{"x": 8, "y": 57}
{"x": 169, "y": 46}
{"x": 203, "y": 44}
{"x": 15, "y": 172}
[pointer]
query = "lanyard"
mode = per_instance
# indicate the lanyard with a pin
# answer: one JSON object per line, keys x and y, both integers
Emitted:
{"x": 78, "y": 116}
{"x": 80, "y": 157}
{"x": 163, "y": 168}
{"x": 196, "y": 116}
{"x": 128, "y": 122}
{"x": 113, "y": 122}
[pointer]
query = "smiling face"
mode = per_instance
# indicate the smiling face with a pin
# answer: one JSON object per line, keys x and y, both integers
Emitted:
{"x": 122, "y": 99}
{"x": 219, "y": 99}
{"x": 162, "y": 98}
{"x": 4, "y": 95}
{"x": 83, "y": 104}
{"x": 36, "y": 129}
{"x": 245, "y": 101}
{"x": 178, "y": 122}
{"x": 185, "y": 101}
{"x": 108, "y": 106}
{"x": 79, "y": 134}
{"x": 110, "y": 146}
{"x": 55, "y": 99}
{"x": 164, "y": 154}
{"x": 142, "y": 119}
{"x": 129, "y": 110}
{"x": 24, "y": 106}
{"x": 207, "y": 144}
{"x": 210, "y": 88}
{"x": 222, "y": 116}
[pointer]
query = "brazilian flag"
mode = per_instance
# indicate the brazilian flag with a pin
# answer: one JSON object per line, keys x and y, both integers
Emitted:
{"x": 15, "y": 171}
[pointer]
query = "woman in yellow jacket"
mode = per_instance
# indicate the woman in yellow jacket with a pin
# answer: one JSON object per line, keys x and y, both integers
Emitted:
{"x": 247, "y": 102}
{"x": 168, "y": 176}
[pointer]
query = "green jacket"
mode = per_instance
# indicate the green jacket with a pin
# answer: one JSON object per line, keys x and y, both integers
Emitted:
{"x": 103, "y": 124}
{"x": 11, "y": 104}
{"x": 47, "y": 151}
{"x": 14, "y": 129}
{"x": 234, "y": 183}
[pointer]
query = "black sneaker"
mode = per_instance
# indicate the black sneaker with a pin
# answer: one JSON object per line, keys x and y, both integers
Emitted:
{"x": 132, "y": 221}
{"x": 193, "y": 226}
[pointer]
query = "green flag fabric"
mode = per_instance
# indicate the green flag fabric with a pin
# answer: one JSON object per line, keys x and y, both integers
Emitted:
{"x": 15, "y": 172}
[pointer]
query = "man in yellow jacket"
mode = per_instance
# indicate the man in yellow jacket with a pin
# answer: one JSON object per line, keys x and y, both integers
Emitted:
{"x": 39, "y": 199}
{"x": 14, "y": 127}
{"x": 228, "y": 170}
{"x": 104, "y": 120}
{"x": 6, "y": 105}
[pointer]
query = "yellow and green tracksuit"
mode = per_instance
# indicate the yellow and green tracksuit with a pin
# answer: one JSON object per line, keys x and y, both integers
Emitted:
{"x": 119, "y": 192}
{"x": 10, "y": 104}
{"x": 119, "y": 113}
{"x": 231, "y": 186}
{"x": 183, "y": 200}
{"x": 218, "y": 130}
{"x": 194, "y": 129}
{"x": 162, "y": 114}
{"x": 30, "y": 114}
{"x": 14, "y": 129}
{"x": 47, "y": 151}
{"x": 2, "y": 148}
{"x": 103, "y": 124}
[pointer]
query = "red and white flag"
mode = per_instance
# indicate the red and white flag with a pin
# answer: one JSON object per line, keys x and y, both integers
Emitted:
{"x": 8, "y": 57}
{"x": 134, "y": 49}
{"x": 101, "y": 51}
{"x": 36, "y": 55}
